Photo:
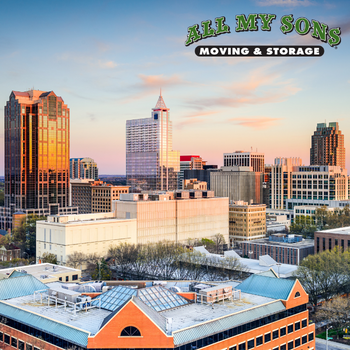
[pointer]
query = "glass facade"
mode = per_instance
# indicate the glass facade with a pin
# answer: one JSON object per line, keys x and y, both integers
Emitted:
{"x": 151, "y": 164}
{"x": 36, "y": 151}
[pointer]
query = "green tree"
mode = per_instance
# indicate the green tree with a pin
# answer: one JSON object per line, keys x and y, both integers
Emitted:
{"x": 304, "y": 225}
{"x": 25, "y": 234}
{"x": 102, "y": 271}
{"x": 209, "y": 244}
{"x": 49, "y": 258}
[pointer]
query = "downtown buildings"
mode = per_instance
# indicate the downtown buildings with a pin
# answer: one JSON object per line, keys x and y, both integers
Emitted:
{"x": 36, "y": 155}
{"x": 151, "y": 163}
{"x": 83, "y": 168}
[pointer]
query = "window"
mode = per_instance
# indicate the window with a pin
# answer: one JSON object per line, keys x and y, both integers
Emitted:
{"x": 297, "y": 326}
{"x": 290, "y": 345}
{"x": 259, "y": 340}
{"x": 130, "y": 332}
{"x": 267, "y": 337}
{"x": 234, "y": 347}
{"x": 283, "y": 331}
{"x": 304, "y": 323}
{"x": 1, "y": 336}
{"x": 14, "y": 342}
{"x": 7, "y": 339}
{"x": 297, "y": 342}
{"x": 60, "y": 279}
{"x": 290, "y": 328}
{"x": 20, "y": 345}
{"x": 250, "y": 344}
{"x": 67, "y": 278}
{"x": 276, "y": 348}
{"x": 304, "y": 339}
{"x": 29, "y": 347}
{"x": 311, "y": 336}
{"x": 283, "y": 347}
{"x": 275, "y": 334}
{"x": 35, "y": 348}
{"x": 74, "y": 277}
{"x": 241, "y": 346}
{"x": 297, "y": 294}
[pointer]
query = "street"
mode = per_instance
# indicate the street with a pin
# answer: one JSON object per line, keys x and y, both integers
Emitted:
{"x": 321, "y": 345}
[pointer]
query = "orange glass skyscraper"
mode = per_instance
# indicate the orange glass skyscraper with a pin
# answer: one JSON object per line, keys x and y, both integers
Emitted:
{"x": 36, "y": 155}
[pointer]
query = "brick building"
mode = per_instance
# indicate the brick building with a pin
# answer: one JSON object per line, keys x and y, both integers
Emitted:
{"x": 262, "y": 311}
{"x": 328, "y": 239}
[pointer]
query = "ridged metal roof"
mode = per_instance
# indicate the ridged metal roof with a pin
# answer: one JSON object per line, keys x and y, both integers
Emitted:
{"x": 269, "y": 287}
{"x": 224, "y": 323}
{"x": 20, "y": 286}
{"x": 44, "y": 324}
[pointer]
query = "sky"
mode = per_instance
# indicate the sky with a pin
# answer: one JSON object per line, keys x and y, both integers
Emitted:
{"x": 109, "y": 59}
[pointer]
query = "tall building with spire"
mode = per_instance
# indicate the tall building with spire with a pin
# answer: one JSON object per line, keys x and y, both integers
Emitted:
{"x": 36, "y": 155}
{"x": 327, "y": 146}
{"x": 151, "y": 163}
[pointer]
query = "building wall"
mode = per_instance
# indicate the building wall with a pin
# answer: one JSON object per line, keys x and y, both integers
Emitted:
{"x": 292, "y": 255}
{"x": 177, "y": 220}
{"x": 238, "y": 185}
{"x": 87, "y": 237}
{"x": 246, "y": 222}
{"x": 327, "y": 240}
{"x": 240, "y": 158}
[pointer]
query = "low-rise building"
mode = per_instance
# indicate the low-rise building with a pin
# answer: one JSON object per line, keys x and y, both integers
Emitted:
{"x": 82, "y": 233}
{"x": 328, "y": 239}
{"x": 9, "y": 252}
{"x": 175, "y": 216}
{"x": 194, "y": 184}
{"x": 261, "y": 311}
{"x": 246, "y": 221}
{"x": 283, "y": 248}
{"x": 45, "y": 272}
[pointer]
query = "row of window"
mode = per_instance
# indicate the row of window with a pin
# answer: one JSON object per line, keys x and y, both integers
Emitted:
{"x": 252, "y": 343}
{"x": 14, "y": 342}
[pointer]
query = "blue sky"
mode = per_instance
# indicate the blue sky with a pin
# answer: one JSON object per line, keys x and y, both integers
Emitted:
{"x": 108, "y": 60}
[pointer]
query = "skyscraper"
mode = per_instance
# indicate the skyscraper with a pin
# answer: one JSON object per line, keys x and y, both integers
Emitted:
{"x": 327, "y": 146}
{"x": 36, "y": 155}
{"x": 83, "y": 168}
{"x": 151, "y": 164}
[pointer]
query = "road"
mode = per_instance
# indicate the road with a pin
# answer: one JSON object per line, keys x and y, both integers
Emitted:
{"x": 321, "y": 345}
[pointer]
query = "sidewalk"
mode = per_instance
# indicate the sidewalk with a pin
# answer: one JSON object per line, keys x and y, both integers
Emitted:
{"x": 332, "y": 343}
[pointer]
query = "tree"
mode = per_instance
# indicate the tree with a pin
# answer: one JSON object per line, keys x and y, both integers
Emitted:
{"x": 325, "y": 274}
{"x": 304, "y": 225}
{"x": 25, "y": 234}
{"x": 102, "y": 271}
{"x": 219, "y": 241}
{"x": 49, "y": 258}
{"x": 335, "y": 312}
{"x": 209, "y": 244}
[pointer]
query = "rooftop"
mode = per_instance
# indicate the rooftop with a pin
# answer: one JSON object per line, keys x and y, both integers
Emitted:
{"x": 338, "y": 231}
{"x": 304, "y": 243}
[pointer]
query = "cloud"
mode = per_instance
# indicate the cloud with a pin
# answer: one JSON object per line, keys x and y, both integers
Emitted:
{"x": 89, "y": 61}
{"x": 255, "y": 122}
{"x": 107, "y": 64}
{"x": 288, "y": 3}
{"x": 194, "y": 118}
{"x": 148, "y": 84}
{"x": 259, "y": 87}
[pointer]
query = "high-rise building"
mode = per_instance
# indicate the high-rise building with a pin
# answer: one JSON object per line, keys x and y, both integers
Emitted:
{"x": 151, "y": 164}
{"x": 94, "y": 196}
{"x": 189, "y": 163}
{"x": 246, "y": 222}
{"x": 327, "y": 146}
{"x": 83, "y": 168}
{"x": 250, "y": 159}
{"x": 36, "y": 155}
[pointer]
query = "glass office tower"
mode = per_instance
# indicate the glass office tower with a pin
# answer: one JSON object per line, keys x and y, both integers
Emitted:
{"x": 151, "y": 164}
{"x": 36, "y": 155}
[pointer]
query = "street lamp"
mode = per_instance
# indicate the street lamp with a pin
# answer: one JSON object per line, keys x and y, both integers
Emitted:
{"x": 278, "y": 267}
{"x": 327, "y": 336}
{"x": 250, "y": 253}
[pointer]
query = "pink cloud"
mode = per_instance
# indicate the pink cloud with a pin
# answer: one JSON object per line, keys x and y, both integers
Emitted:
{"x": 255, "y": 122}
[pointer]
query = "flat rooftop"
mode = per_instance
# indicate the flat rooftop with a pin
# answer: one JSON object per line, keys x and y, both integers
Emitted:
{"x": 193, "y": 314}
{"x": 41, "y": 269}
{"x": 338, "y": 231}
{"x": 304, "y": 243}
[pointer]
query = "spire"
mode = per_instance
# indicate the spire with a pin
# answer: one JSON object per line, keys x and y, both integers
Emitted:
{"x": 160, "y": 103}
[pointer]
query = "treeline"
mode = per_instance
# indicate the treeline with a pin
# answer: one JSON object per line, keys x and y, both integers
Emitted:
{"x": 324, "y": 219}
{"x": 325, "y": 275}
{"x": 163, "y": 261}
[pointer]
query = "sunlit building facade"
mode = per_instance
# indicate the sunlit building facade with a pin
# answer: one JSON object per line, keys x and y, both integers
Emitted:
{"x": 151, "y": 164}
{"x": 83, "y": 168}
{"x": 36, "y": 155}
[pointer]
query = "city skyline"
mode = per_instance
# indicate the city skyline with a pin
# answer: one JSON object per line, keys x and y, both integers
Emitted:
{"x": 110, "y": 72}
